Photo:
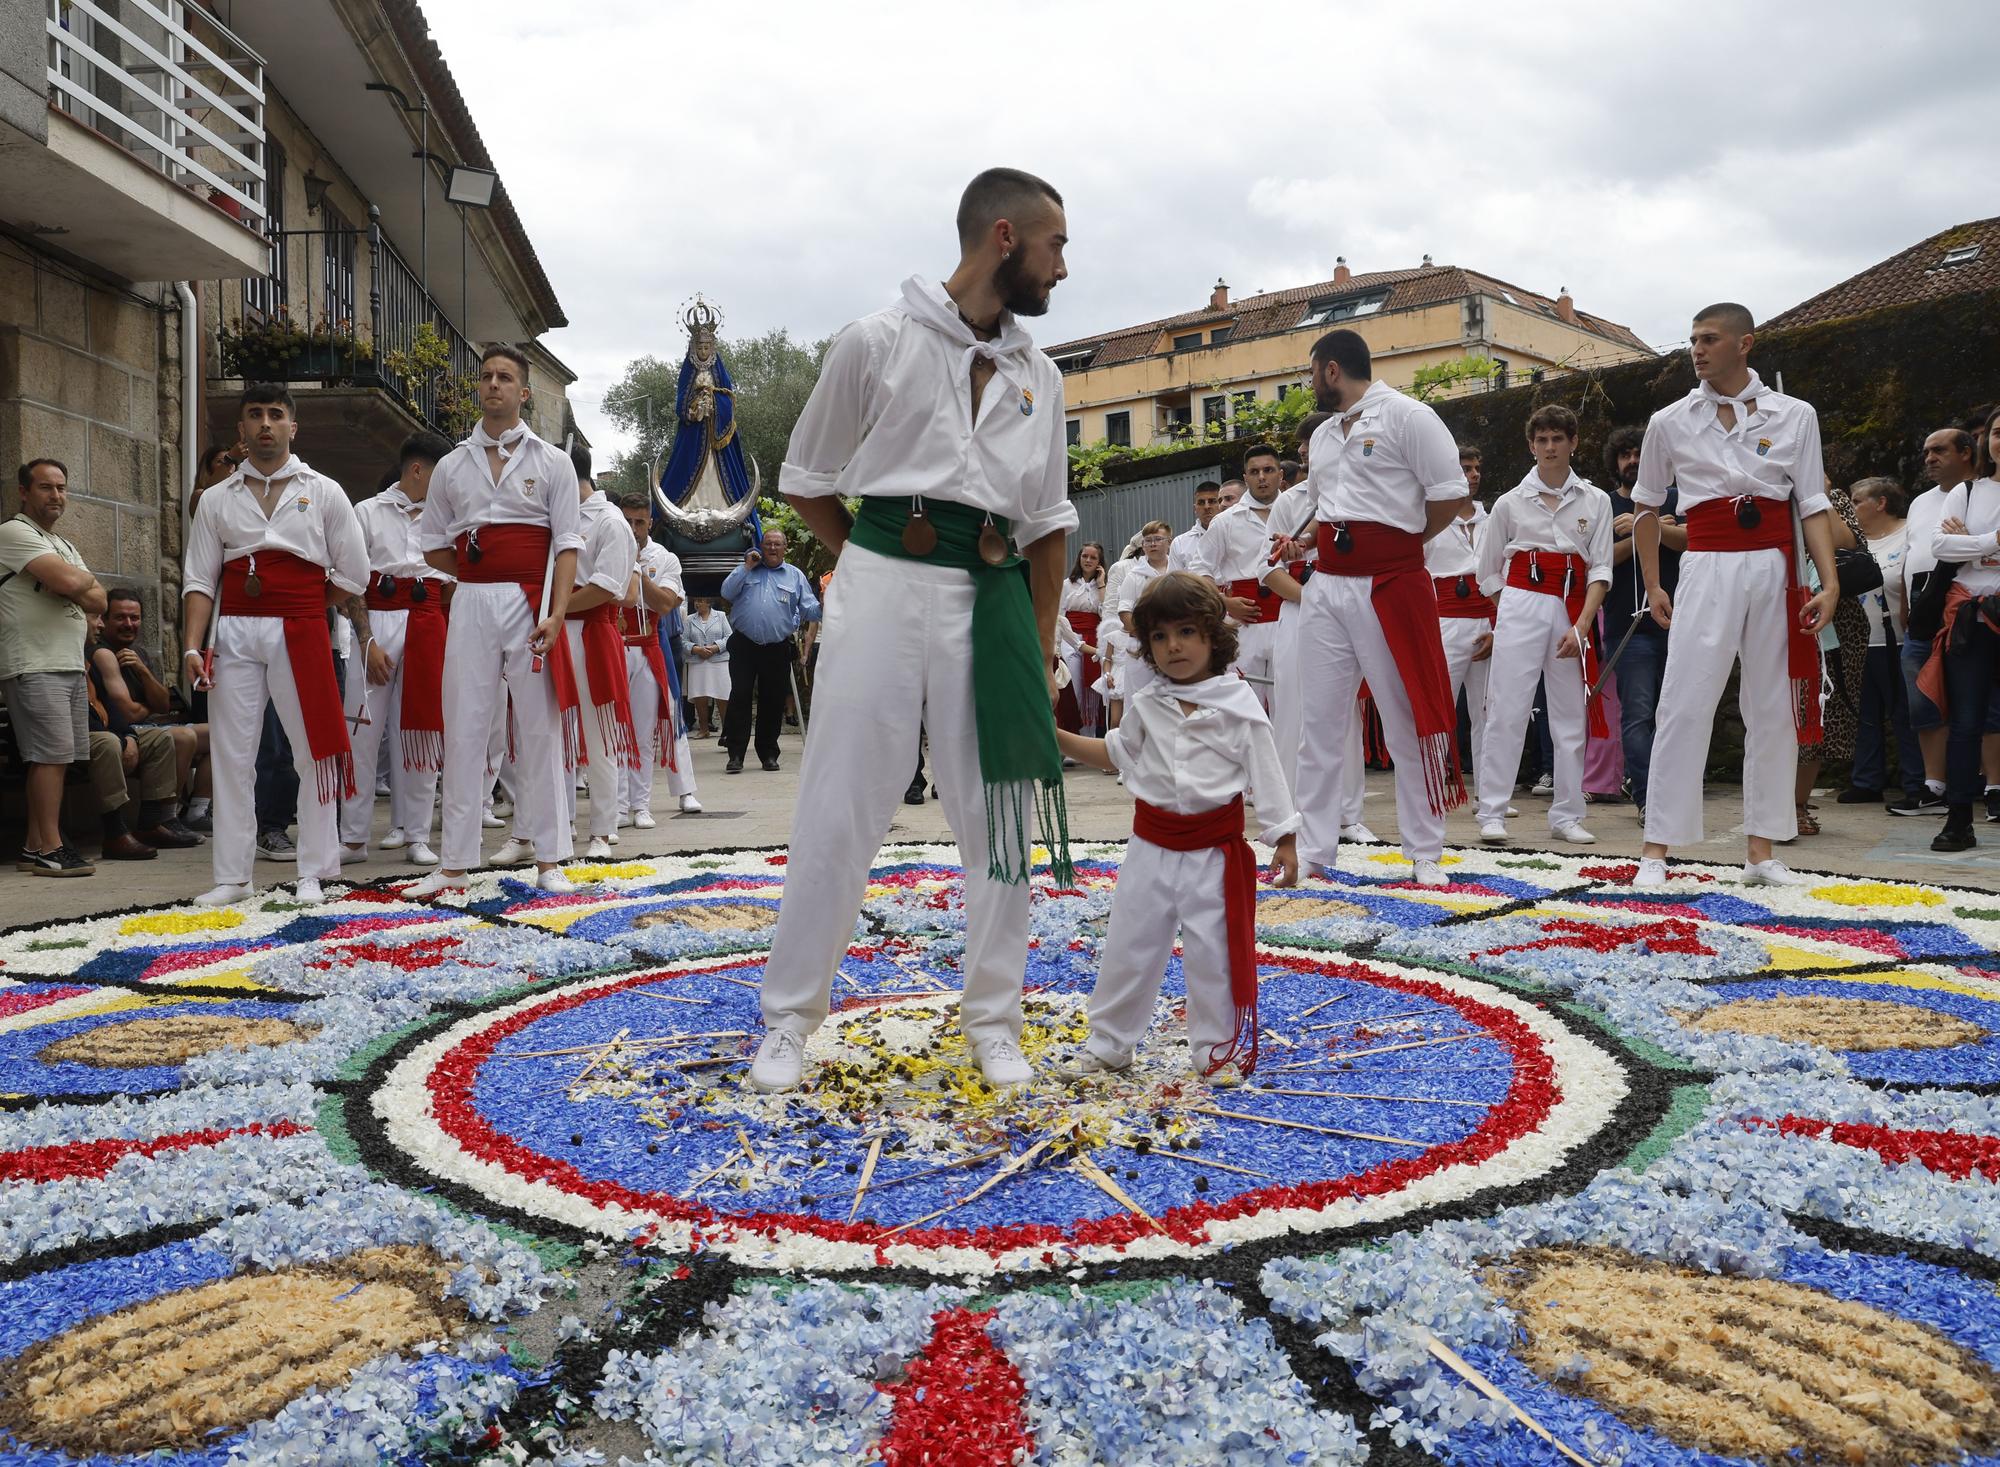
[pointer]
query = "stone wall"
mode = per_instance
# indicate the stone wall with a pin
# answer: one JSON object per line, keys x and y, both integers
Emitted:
{"x": 90, "y": 374}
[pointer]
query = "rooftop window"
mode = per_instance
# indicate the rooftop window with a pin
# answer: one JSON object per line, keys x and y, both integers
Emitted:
{"x": 1345, "y": 309}
{"x": 1963, "y": 255}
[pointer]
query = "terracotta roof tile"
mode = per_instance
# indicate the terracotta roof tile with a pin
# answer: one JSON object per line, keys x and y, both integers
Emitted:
{"x": 1917, "y": 274}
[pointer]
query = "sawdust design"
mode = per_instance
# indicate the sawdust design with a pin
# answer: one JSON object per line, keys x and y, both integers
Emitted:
{"x": 1858, "y": 1024}
{"x": 1753, "y": 1368}
{"x": 1282, "y": 911}
{"x": 712, "y": 917}
{"x": 171, "y": 1039}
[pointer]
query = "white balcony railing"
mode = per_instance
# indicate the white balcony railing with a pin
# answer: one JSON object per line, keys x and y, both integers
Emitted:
{"x": 170, "y": 84}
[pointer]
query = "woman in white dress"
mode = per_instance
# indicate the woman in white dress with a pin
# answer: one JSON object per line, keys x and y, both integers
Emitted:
{"x": 705, "y": 640}
{"x": 1114, "y": 647}
{"x": 1082, "y": 605}
{"x": 1156, "y": 541}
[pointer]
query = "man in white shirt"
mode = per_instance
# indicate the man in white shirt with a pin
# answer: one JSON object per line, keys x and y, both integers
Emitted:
{"x": 398, "y": 682}
{"x": 1949, "y": 460}
{"x": 1384, "y": 479}
{"x": 656, "y": 710}
{"x": 1967, "y": 651}
{"x": 605, "y": 570}
{"x": 502, "y": 518}
{"x": 1465, "y": 613}
{"x": 1227, "y": 496}
{"x": 1879, "y": 505}
{"x": 1546, "y": 553}
{"x": 1185, "y": 553}
{"x": 1236, "y": 555}
{"x": 943, "y": 416}
{"x": 268, "y": 547}
{"x": 1746, "y": 459}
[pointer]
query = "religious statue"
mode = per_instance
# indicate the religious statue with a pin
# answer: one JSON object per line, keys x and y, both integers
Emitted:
{"x": 706, "y": 498}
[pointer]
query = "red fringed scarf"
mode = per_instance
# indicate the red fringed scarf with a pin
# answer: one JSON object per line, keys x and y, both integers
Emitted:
{"x": 1406, "y": 606}
{"x": 610, "y": 693}
{"x": 1568, "y": 577}
{"x": 295, "y": 590}
{"x": 646, "y": 640}
{"x": 1712, "y": 526}
{"x": 1220, "y": 829}
{"x": 519, "y": 553}
{"x": 421, "y": 712}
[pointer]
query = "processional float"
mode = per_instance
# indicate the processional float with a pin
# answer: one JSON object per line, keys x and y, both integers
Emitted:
{"x": 705, "y": 496}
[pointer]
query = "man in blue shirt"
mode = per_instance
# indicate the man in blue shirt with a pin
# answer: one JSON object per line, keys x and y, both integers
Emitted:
{"x": 768, "y": 601}
{"x": 1643, "y": 666}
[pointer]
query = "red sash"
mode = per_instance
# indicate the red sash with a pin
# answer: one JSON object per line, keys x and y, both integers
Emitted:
{"x": 610, "y": 694}
{"x": 1221, "y": 829}
{"x": 1085, "y": 625}
{"x": 1251, "y": 590}
{"x": 632, "y": 627}
{"x": 1475, "y": 606}
{"x": 296, "y": 590}
{"x": 422, "y": 709}
{"x": 1406, "y": 606}
{"x": 519, "y": 554}
{"x": 1568, "y": 577}
{"x": 1712, "y": 526}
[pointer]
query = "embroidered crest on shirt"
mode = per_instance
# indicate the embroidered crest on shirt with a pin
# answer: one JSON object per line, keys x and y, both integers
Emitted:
{"x": 1368, "y": 448}
{"x": 1763, "y": 447}
{"x": 1027, "y": 403}
{"x": 303, "y": 502}
{"x": 527, "y": 486}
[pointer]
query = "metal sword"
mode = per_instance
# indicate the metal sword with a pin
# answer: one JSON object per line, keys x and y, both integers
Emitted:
{"x": 1604, "y": 672}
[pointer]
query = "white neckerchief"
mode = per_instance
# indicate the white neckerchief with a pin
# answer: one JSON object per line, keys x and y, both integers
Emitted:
{"x": 506, "y": 442}
{"x": 931, "y": 304}
{"x": 1224, "y": 693}
{"x": 1753, "y": 390}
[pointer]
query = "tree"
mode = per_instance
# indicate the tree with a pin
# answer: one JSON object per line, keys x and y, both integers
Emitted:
{"x": 772, "y": 376}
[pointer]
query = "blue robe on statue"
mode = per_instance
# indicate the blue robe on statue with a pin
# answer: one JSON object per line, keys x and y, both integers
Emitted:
{"x": 693, "y": 442}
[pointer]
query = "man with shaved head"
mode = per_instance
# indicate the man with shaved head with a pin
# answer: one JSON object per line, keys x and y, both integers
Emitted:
{"x": 1746, "y": 460}
{"x": 942, "y": 418}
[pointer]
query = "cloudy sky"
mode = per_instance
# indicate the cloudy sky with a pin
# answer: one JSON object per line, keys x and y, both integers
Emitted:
{"x": 794, "y": 161}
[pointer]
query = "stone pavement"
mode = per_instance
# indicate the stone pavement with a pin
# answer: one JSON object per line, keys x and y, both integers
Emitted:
{"x": 755, "y": 809}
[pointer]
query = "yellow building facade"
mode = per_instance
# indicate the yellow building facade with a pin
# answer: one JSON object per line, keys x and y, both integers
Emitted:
{"x": 1179, "y": 376}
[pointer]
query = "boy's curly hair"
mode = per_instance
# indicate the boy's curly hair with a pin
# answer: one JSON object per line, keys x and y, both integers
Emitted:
{"x": 1178, "y": 596}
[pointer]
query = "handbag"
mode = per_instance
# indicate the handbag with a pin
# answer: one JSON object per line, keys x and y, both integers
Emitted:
{"x": 1860, "y": 572}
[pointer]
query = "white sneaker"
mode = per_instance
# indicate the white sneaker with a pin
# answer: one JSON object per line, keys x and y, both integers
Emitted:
{"x": 1652, "y": 873}
{"x": 1359, "y": 832}
{"x": 555, "y": 883}
{"x": 1493, "y": 832}
{"x": 396, "y": 839}
{"x": 1512, "y": 812}
{"x": 381, "y": 789}
{"x": 1771, "y": 873}
{"x": 353, "y": 855}
{"x": 599, "y": 849}
{"x": 1576, "y": 835}
{"x": 503, "y": 808}
{"x": 689, "y": 806}
{"x": 514, "y": 852}
{"x": 1431, "y": 873}
{"x": 224, "y": 895}
{"x": 643, "y": 819}
{"x": 624, "y": 819}
{"x": 421, "y": 854}
{"x": 308, "y": 891}
{"x": 490, "y": 821}
{"x": 1543, "y": 786}
{"x": 781, "y": 1059}
{"x": 1226, "y": 1077}
{"x": 1003, "y": 1064}
{"x": 435, "y": 884}
{"x": 1089, "y": 1062}
{"x": 613, "y": 837}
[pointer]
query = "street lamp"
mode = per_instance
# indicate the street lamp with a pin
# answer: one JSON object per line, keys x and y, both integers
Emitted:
{"x": 466, "y": 188}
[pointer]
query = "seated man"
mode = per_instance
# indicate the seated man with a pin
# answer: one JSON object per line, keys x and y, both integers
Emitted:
{"x": 117, "y": 750}
{"x": 158, "y": 704}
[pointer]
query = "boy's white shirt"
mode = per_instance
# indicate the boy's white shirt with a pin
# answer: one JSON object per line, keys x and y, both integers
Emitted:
{"x": 1190, "y": 762}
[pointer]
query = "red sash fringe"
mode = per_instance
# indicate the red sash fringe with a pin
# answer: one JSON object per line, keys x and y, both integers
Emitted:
{"x": 520, "y": 553}
{"x": 1565, "y": 576}
{"x": 1221, "y": 829}
{"x": 1406, "y": 606}
{"x": 637, "y": 633}
{"x": 1711, "y": 525}
{"x": 610, "y": 694}
{"x": 296, "y": 591}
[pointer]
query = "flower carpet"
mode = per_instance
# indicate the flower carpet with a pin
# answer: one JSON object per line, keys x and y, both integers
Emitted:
{"x": 1533, "y": 1168}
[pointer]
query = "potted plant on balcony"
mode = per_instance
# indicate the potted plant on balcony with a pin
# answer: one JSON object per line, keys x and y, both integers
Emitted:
{"x": 275, "y": 348}
{"x": 450, "y": 400}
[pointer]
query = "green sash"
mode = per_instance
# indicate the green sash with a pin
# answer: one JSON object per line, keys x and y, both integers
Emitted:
{"x": 1018, "y": 759}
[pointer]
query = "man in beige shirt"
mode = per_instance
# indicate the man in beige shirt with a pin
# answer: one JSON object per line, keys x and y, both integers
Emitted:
{"x": 46, "y": 591}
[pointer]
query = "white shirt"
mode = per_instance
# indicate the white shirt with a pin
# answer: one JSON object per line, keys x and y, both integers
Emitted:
{"x": 1921, "y": 523}
{"x": 1772, "y": 453}
{"x": 892, "y": 415}
{"x": 1237, "y": 546}
{"x": 1142, "y": 574}
{"x": 1580, "y": 525}
{"x": 313, "y": 520}
{"x": 1293, "y": 511}
{"x": 1454, "y": 550}
{"x": 1190, "y": 762}
{"x": 537, "y": 486}
{"x": 1114, "y": 581}
{"x": 1891, "y": 600}
{"x": 663, "y": 568}
{"x": 1082, "y": 596}
{"x": 1185, "y": 553}
{"x": 1978, "y": 505}
{"x": 1394, "y": 458}
{"x": 609, "y": 552}
{"x": 389, "y": 524}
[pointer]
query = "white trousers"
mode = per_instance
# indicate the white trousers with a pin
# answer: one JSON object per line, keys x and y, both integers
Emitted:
{"x": 252, "y": 665}
{"x": 603, "y": 776}
{"x": 1341, "y": 643}
{"x": 1160, "y": 892}
{"x": 894, "y": 654}
{"x": 1461, "y": 637}
{"x": 1257, "y": 654}
{"x": 1530, "y": 629}
{"x": 1730, "y": 604}
{"x": 412, "y": 792}
{"x": 487, "y": 661}
{"x": 1287, "y": 718}
{"x": 645, "y": 714}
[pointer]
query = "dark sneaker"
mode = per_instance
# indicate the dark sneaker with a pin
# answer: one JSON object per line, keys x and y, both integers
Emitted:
{"x": 1923, "y": 804}
{"x": 1993, "y": 807}
{"x": 1954, "y": 838}
{"x": 914, "y": 795}
{"x": 276, "y": 845}
{"x": 200, "y": 824}
{"x": 1855, "y": 795}
{"x": 62, "y": 861}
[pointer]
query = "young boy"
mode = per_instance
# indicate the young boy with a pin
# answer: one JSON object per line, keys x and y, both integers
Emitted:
{"x": 1193, "y": 743}
{"x": 1548, "y": 541}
